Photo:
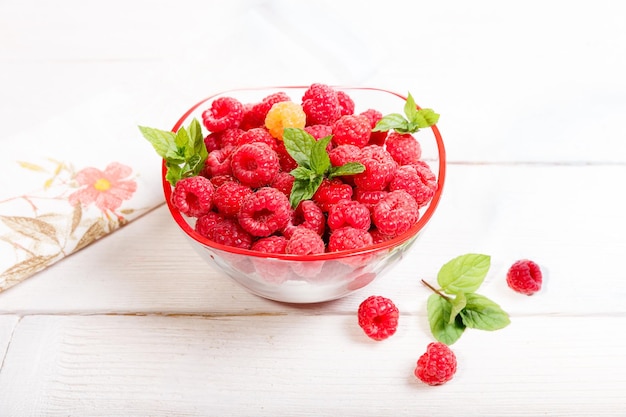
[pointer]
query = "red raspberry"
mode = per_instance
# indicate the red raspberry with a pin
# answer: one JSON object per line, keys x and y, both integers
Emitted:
{"x": 351, "y": 130}
{"x": 221, "y": 179}
{"x": 374, "y": 116}
{"x": 342, "y": 154}
{"x": 254, "y": 115}
{"x": 378, "y": 237}
{"x": 348, "y": 213}
{"x": 287, "y": 163}
{"x": 321, "y": 105}
{"x": 307, "y": 215}
{"x": 403, "y": 148}
{"x": 254, "y": 164}
{"x": 395, "y": 213}
{"x": 319, "y": 131}
{"x": 369, "y": 198}
{"x": 305, "y": 241}
{"x": 224, "y": 113}
{"x": 418, "y": 180}
{"x": 270, "y": 244}
{"x": 346, "y": 104}
{"x": 257, "y": 134}
{"x": 330, "y": 192}
{"x": 437, "y": 366}
{"x": 193, "y": 196}
{"x": 346, "y": 238}
{"x": 212, "y": 141}
{"x": 229, "y": 196}
{"x": 228, "y": 232}
{"x": 283, "y": 182}
{"x": 380, "y": 168}
{"x": 264, "y": 212}
{"x": 205, "y": 223}
{"x": 525, "y": 277}
{"x": 218, "y": 162}
{"x": 378, "y": 317}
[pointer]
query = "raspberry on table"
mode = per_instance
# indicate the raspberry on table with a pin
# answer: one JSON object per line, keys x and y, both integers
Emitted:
{"x": 347, "y": 238}
{"x": 305, "y": 241}
{"x": 229, "y": 196}
{"x": 524, "y": 277}
{"x": 284, "y": 114}
{"x": 308, "y": 215}
{"x": 416, "y": 179}
{"x": 193, "y": 196}
{"x": 437, "y": 366}
{"x": 351, "y": 130}
{"x": 403, "y": 148}
{"x": 395, "y": 213}
{"x": 224, "y": 113}
{"x": 254, "y": 164}
{"x": 320, "y": 104}
{"x": 378, "y": 317}
{"x": 348, "y": 213}
{"x": 264, "y": 212}
{"x": 330, "y": 192}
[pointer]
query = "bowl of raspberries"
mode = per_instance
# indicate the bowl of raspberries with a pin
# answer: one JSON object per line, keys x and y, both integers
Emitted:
{"x": 302, "y": 194}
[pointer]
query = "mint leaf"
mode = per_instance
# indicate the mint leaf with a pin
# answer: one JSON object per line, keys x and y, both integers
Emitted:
{"x": 349, "y": 168}
{"x": 410, "y": 108}
{"x": 458, "y": 303}
{"x": 464, "y": 273}
{"x": 302, "y": 173}
{"x": 482, "y": 313}
{"x": 394, "y": 121}
{"x": 439, "y": 311}
{"x": 299, "y": 145}
{"x": 163, "y": 142}
{"x": 304, "y": 189}
{"x": 320, "y": 161}
{"x": 425, "y": 118}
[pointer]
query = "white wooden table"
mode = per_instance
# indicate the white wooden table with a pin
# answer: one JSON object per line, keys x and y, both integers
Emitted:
{"x": 532, "y": 98}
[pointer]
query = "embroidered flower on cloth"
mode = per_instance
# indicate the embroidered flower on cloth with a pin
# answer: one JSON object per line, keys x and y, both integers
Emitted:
{"x": 106, "y": 189}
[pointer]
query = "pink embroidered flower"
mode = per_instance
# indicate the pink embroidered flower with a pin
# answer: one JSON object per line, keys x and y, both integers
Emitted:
{"x": 107, "y": 189}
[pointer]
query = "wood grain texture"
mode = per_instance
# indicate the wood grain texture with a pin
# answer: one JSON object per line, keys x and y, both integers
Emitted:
{"x": 282, "y": 365}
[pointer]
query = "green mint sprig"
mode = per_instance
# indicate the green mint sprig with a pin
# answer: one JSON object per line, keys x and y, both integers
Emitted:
{"x": 455, "y": 306}
{"x": 184, "y": 152}
{"x": 412, "y": 120}
{"x": 313, "y": 164}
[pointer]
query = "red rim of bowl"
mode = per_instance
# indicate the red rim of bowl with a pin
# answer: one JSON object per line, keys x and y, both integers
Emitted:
{"x": 389, "y": 244}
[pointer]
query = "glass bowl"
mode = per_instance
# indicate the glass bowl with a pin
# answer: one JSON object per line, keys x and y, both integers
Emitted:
{"x": 321, "y": 277}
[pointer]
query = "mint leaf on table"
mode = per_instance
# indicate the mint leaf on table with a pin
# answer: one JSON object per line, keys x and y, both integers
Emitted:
{"x": 412, "y": 121}
{"x": 455, "y": 306}
{"x": 184, "y": 152}
{"x": 313, "y": 164}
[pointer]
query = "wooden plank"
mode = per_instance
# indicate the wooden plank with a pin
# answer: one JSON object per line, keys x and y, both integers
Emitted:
{"x": 559, "y": 216}
{"x": 7, "y": 324}
{"x": 303, "y": 365}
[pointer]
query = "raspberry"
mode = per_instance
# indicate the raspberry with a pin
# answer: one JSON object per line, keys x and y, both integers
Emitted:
{"x": 346, "y": 104}
{"x": 229, "y": 196}
{"x": 378, "y": 317}
{"x": 254, "y": 164}
{"x": 351, "y": 130}
{"x": 284, "y": 114}
{"x": 205, "y": 223}
{"x": 319, "y": 131}
{"x": 403, "y": 148}
{"x": 348, "y": 213}
{"x": 369, "y": 198}
{"x": 193, "y": 196}
{"x": 525, "y": 277}
{"x": 287, "y": 163}
{"x": 224, "y": 113}
{"x": 380, "y": 168}
{"x": 283, "y": 182}
{"x": 307, "y": 215}
{"x": 218, "y": 162}
{"x": 330, "y": 192}
{"x": 254, "y": 115}
{"x": 342, "y": 154}
{"x": 346, "y": 238}
{"x": 437, "y": 366}
{"x": 395, "y": 213}
{"x": 229, "y": 233}
{"x": 418, "y": 180}
{"x": 221, "y": 179}
{"x": 257, "y": 134}
{"x": 376, "y": 138}
{"x": 270, "y": 244}
{"x": 304, "y": 241}
{"x": 321, "y": 105}
{"x": 264, "y": 212}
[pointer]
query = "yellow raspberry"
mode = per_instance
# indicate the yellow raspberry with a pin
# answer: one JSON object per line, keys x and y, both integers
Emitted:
{"x": 284, "y": 114}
